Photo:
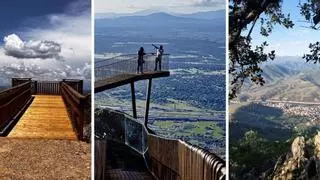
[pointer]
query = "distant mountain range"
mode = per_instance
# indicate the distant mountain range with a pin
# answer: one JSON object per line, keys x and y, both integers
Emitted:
{"x": 161, "y": 25}
{"x": 166, "y": 24}
{"x": 287, "y": 79}
{"x": 220, "y": 14}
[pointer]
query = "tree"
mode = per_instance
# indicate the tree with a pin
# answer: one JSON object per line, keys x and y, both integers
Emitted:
{"x": 311, "y": 12}
{"x": 245, "y": 60}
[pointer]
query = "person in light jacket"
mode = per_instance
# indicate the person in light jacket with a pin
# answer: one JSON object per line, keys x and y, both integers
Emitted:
{"x": 158, "y": 57}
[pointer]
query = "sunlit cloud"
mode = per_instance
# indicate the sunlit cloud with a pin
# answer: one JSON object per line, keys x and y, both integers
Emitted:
{"x": 14, "y": 46}
{"x": 37, "y": 52}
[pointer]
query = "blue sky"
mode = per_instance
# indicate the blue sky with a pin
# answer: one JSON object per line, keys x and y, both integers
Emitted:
{"x": 178, "y": 6}
{"x": 48, "y": 39}
{"x": 17, "y": 14}
{"x": 289, "y": 42}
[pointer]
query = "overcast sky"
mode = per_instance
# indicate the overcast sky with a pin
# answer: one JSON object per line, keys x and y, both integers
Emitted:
{"x": 49, "y": 43}
{"x": 179, "y": 6}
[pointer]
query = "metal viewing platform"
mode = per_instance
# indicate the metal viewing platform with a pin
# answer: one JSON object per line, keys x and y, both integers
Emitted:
{"x": 121, "y": 70}
{"x": 125, "y": 148}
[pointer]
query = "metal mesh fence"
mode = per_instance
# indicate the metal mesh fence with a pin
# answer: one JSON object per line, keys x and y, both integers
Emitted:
{"x": 128, "y": 64}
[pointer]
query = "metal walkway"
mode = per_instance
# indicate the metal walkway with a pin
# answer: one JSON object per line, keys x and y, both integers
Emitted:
{"x": 125, "y": 164}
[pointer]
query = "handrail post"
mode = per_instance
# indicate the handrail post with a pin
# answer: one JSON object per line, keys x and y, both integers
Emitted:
{"x": 146, "y": 115}
{"x": 80, "y": 86}
{"x": 35, "y": 87}
{"x": 133, "y": 99}
{"x": 81, "y": 120}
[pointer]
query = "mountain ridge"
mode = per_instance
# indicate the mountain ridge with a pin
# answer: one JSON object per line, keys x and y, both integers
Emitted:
{"x": 208, "y": 15}
{"x": 292, "y": 80}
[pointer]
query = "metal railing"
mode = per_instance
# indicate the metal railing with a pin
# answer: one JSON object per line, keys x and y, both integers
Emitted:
{"x": 13, "y": 100}
{"x": 128, "y": 64}
{"x": 165, "y": 158}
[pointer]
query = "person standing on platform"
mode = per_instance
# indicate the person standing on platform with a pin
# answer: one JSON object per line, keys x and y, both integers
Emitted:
{"x": 158, "y": 57}
{"x": 141, "y": 53}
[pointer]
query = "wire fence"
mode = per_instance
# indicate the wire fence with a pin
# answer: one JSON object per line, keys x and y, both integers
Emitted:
{"x": 128, "y": 64}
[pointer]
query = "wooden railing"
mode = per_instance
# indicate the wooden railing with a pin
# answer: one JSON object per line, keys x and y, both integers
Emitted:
{"x": 165, "y": 158}
{"x": 75, "y": 84}
{"x": 76, "y": 104}
{"x": 47, "y": 87}
{"x": 176, "y": 159}
{"x": 12, "y": 101}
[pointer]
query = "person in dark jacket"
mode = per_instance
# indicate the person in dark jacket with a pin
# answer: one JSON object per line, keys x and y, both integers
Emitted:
{"x": 141, "y": 53}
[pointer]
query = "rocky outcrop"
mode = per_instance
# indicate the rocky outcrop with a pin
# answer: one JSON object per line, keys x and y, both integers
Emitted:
{"x": 303, "y": 162}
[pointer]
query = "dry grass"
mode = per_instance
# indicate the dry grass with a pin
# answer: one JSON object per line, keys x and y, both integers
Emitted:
{"x": 44, "y": 159}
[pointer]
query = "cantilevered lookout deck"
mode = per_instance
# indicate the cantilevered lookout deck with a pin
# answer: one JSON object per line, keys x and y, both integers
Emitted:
{"x": 121, "y": 70}
{"x": 126, "y": 78}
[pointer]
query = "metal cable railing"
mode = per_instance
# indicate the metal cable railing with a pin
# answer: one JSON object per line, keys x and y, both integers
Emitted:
{"x": 128, "y": 64}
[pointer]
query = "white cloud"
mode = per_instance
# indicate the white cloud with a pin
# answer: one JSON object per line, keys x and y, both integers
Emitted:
{"x": 209, "y": 2}
{"x": 36, "y": 72}
{"x": 14, "y": 46}
{"x": 68, "y": 36}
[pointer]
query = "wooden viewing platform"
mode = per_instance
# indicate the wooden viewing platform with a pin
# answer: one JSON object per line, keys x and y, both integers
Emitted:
{"x": 56, "y": 110}
{"x": 47, "y": 118}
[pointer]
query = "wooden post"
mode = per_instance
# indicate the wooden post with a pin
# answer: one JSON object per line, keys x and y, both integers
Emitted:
{"x": 133, "y": 99}
{"x": 81, "y": 120}
{"x": 35, "y": 84}
{"x": 100, "y": 158}
{"x": 146, "y": 115}
{"x": 13, "y": 80}
{"x": 80, "y": 86}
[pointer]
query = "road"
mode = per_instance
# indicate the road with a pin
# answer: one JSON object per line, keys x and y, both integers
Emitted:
{"x": 277, "y": 101}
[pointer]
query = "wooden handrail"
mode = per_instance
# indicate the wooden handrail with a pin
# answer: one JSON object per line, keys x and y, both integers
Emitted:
{"x": 177, "y": 159}
{"x": 171, "y": 158}
{"x": 76, "y": 103}
{"x": 12, "y": 100}
{"x": 14, "y": 87}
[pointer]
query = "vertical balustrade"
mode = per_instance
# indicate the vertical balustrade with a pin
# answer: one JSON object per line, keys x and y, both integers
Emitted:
{"x": 166, "y": 158}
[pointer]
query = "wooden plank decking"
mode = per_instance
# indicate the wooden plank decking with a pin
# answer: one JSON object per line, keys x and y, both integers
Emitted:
{"x": 126, "y": 78}
{"x": 46, "y": 118}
